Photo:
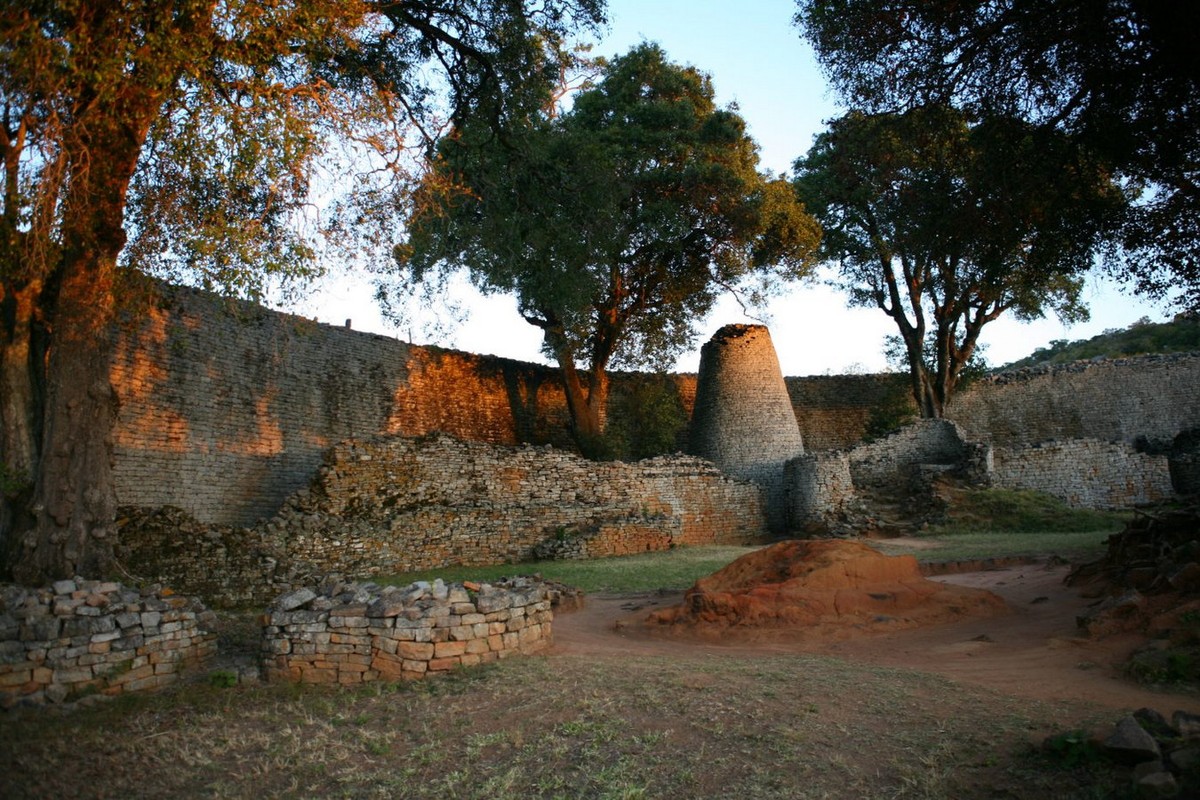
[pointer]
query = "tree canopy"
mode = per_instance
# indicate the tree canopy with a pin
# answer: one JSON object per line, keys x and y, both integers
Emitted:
{"x": 1123, "y": 75}
{"x": 616, "y": 222}
{"x": 193, "y": 129}
{"x": 945, "y": 223}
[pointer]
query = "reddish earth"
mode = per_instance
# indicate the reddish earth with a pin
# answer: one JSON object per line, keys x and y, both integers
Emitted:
{"x": 827, "y": 587}
{"x": 1035, "y": 650}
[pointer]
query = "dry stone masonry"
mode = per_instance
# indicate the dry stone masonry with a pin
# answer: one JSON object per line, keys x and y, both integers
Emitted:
{"x": 402, "y": 504}
{"x": 743, "y": 419}
{"x": 1085, "y": 473}
{"x": 352, "y": 633}
{"x": 80, "y": 638}
{"x": 227, "y": 408}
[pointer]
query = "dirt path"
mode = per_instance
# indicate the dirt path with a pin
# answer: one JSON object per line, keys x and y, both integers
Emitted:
{"x": 1034, "y": 651}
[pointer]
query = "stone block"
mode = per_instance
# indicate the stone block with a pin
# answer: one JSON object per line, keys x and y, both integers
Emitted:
{"x": 418, "y": 651}
{"x": 447, "y": 649}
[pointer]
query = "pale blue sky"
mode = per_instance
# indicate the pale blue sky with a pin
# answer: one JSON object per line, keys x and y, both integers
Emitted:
{"x": 758, "y": 61}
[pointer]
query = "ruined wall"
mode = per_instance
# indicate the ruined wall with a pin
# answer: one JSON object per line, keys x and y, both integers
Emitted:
{"x": 1123, "y": 400}
{"x": 226, "y": 408}
{"x": 352, "y": 634}
{"x": 77, "y": 638}
{"x": 401, "y": 504}
{"x": 1084, "y": 473}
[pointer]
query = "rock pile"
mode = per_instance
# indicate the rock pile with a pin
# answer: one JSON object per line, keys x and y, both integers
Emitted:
{"x": 351, "y": 633}
{"x": 1149, "y": 576}
{"x": 81, "y": 637}
{"x": 1164, "y": 757}
{"x": 821, "y": 585}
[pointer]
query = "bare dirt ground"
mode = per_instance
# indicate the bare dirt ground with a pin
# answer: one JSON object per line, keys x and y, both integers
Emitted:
{"x": 1034, "y": 651}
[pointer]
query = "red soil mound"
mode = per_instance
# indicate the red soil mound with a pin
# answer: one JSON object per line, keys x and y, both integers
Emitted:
{"x": 824, "y": 584}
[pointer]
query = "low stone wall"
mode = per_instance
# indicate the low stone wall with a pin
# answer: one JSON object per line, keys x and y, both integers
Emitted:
{"x": 401, "y": 504}
{"x": 349, "y": 634}
{"x": 81, "y": 637}
{"x": 820, "y": 488}
{"x": 1084, "y": 473}
{"x": 926, "y": 441}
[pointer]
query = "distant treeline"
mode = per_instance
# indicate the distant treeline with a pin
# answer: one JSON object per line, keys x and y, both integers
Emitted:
{"x": 1143, "y": 337}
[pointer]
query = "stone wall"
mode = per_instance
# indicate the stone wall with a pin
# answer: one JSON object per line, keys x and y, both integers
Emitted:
{"x": 400, "y": 504}
{"x": 1151, "y": 398}
{"x": 888, "y": 460}
{"x": 351, "y": 634}
{"x": 835, "y": 412}
{"x": 79, "y": 638}
{"x": 1085, "y": 473}
{"x": 820, "y": 489}
{"x": 226, "y": 408}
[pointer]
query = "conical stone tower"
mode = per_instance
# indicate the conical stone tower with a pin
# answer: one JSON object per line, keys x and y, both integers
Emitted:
{"x": 743, "y": 419}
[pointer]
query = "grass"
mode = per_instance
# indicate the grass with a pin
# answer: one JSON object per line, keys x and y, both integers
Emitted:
{"x": 694, "y": 725}
{"x": 970, "y": 546}
{"x": 1021, "y": 511}
{"x": 621, "y": 725}
{"x": 671, "y": 569}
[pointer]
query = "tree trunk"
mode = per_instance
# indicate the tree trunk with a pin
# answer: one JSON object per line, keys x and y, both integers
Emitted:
{"x": 585, "y": 404}
{"x": 21, "y": 373}
{"x": 74, "y": 500}
{"x": 924, "y": 392}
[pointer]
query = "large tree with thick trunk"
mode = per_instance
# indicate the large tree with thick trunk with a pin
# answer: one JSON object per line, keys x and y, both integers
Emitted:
{"x": 945, "y": 223}
{"x": 191, "y": 128}
{"x": 616, "y": 222}
{"x": 1121, "y": 75}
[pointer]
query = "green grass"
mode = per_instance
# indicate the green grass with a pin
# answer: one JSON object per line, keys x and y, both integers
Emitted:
{"x": 980, "y": 524}
{"x": 671, "y": 569}
{"x": 968, "y": 546}
{"x": 1024, "y": 512}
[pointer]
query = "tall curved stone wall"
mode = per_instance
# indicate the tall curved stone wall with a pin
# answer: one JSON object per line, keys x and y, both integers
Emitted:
{"x": 1149, "y": 398}
{"x": 225, "y": 408}
{"x": 743, "y": 420}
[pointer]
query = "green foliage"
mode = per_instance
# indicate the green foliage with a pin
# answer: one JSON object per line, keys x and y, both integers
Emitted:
{"x": 944, "y": 222}
{"x": 222, "y": 679}
{"x": 1182, "y": 334}
{"x": 891, "y": 411}
{"x": 1119, "y": 75}
{"x": 647, "y": 420}
{"x": 615, "y": 223}
{"x": 1020, "y": 510}
{"x": 1072, "y": 749}
{"x": 1170, "y": 665}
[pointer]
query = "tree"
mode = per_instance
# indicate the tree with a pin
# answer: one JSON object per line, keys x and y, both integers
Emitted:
{"x": 195, "y": 125}
{"x": 1124, "y": 75}
{"x": 616, "y": 223}
{"x": 945, "y": 224}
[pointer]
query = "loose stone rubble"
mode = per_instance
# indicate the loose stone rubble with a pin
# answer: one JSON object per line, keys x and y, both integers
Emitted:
{"x": 1162, "y": 756}
{"x": 351, "y": 633}
{"x": 83, "y": 637}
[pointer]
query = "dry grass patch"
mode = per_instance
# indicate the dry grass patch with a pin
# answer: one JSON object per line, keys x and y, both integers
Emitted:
{"x": 566, "y": 726}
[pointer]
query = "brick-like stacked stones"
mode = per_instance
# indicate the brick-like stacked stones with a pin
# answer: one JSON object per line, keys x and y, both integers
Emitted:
{"x": 350, "y": 633}
{"x": 84, "y": 637}
{"x": 743, "y": 419}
